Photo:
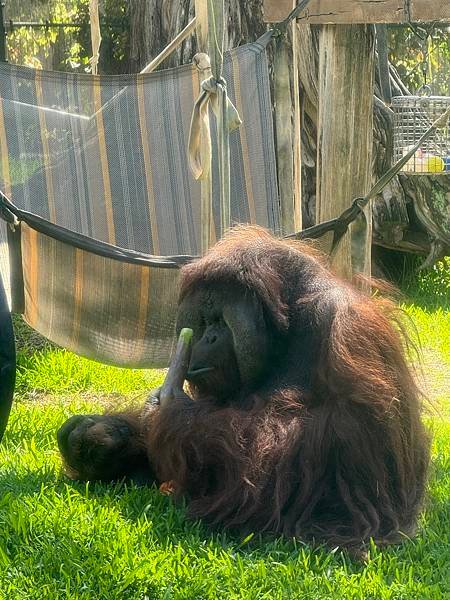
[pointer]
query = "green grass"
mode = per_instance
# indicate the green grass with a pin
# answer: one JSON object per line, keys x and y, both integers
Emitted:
{"x": 68, "y": 540}
{"x": 61, "y": 540}
{"x": 62, "y": 372}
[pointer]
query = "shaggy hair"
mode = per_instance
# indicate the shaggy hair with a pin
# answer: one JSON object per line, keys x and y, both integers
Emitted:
{"x": 330, "y": 445}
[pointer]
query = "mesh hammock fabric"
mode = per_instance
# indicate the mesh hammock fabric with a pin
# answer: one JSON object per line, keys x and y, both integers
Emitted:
{"x": 97, "y": 172}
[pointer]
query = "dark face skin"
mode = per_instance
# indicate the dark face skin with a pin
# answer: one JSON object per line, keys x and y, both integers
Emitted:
{"x": 229, "y": 358}
{"x": 230, "y": 342}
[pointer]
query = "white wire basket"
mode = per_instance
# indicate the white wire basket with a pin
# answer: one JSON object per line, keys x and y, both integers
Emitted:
{"x": 413, "y": 115}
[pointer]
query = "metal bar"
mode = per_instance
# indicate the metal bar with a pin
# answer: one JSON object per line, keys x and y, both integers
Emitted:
{"x": 45, "y": 25}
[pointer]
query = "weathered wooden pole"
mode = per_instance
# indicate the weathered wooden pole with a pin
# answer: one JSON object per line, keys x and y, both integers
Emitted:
{"x": 345, "y": 135}
{"x": 211, "y": 17}
{"x": 298, "y": 221}
{"x": 321, "y": 12}
{"x": 207, "y": 223}
{"x": 287, "y": 129}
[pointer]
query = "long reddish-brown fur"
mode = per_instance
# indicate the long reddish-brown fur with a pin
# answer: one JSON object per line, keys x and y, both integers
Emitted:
{"x": 331, "y": 445}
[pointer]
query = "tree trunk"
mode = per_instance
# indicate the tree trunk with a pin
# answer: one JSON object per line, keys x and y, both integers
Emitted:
{"x": 400, "y": 220}
{"x": 154, "y": 23}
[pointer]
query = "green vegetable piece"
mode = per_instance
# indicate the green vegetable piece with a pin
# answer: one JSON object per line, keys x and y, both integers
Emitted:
{"x": 176, "y": 374}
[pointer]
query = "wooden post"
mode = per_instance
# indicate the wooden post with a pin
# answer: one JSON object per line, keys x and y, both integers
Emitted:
{"x": 207, "y": 224}
{"x": 287, "y": 129}
{"x": 201, "y": 14}
{"x": 96, "y": 38}
{"x": 298, "y": 222}
{"x": 345, "y": 135}
{"x": 320, "y": 12}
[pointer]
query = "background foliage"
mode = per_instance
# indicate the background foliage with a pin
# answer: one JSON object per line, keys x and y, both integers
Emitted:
{"x": 422, "y": 57}
{"x": 420, "y": 54}
{"x": 67, "y": 49}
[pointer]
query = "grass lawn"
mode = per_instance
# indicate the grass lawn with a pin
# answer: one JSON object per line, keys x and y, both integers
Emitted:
{"x": 60, "y": 539}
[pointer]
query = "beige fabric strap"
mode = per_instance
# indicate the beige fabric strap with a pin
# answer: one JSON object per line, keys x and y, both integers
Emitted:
{"x": 200, "y": 133}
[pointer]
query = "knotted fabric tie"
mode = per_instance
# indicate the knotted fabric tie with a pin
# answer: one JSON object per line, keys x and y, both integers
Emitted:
{"x": 200, "y": 134}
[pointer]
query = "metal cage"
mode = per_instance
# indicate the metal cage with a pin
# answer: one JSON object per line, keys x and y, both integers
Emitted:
{"x": 413, "y": 115}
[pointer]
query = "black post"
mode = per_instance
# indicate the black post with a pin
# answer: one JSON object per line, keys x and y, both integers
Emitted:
{"x": 7, "y": 360}
{"x": 2, "y": 34}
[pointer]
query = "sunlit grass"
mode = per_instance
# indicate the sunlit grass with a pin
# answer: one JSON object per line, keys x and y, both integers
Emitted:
{"x": 68, "y": 540}
{"x": 64, "y": 540}
{"x": 433, "y": 330}
{"x": 62, "y": 372}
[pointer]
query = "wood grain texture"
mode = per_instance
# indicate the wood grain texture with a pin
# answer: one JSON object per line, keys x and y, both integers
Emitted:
{"x": 361, "y": 11}
{"x": 284, "y": 139}
{"x": 345, "y": 135}
{"x": 430, "y": 10}
{"x": 153, "y": 27}
{"x": 201, "y": 13}
{"x": 298, "y": 225}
